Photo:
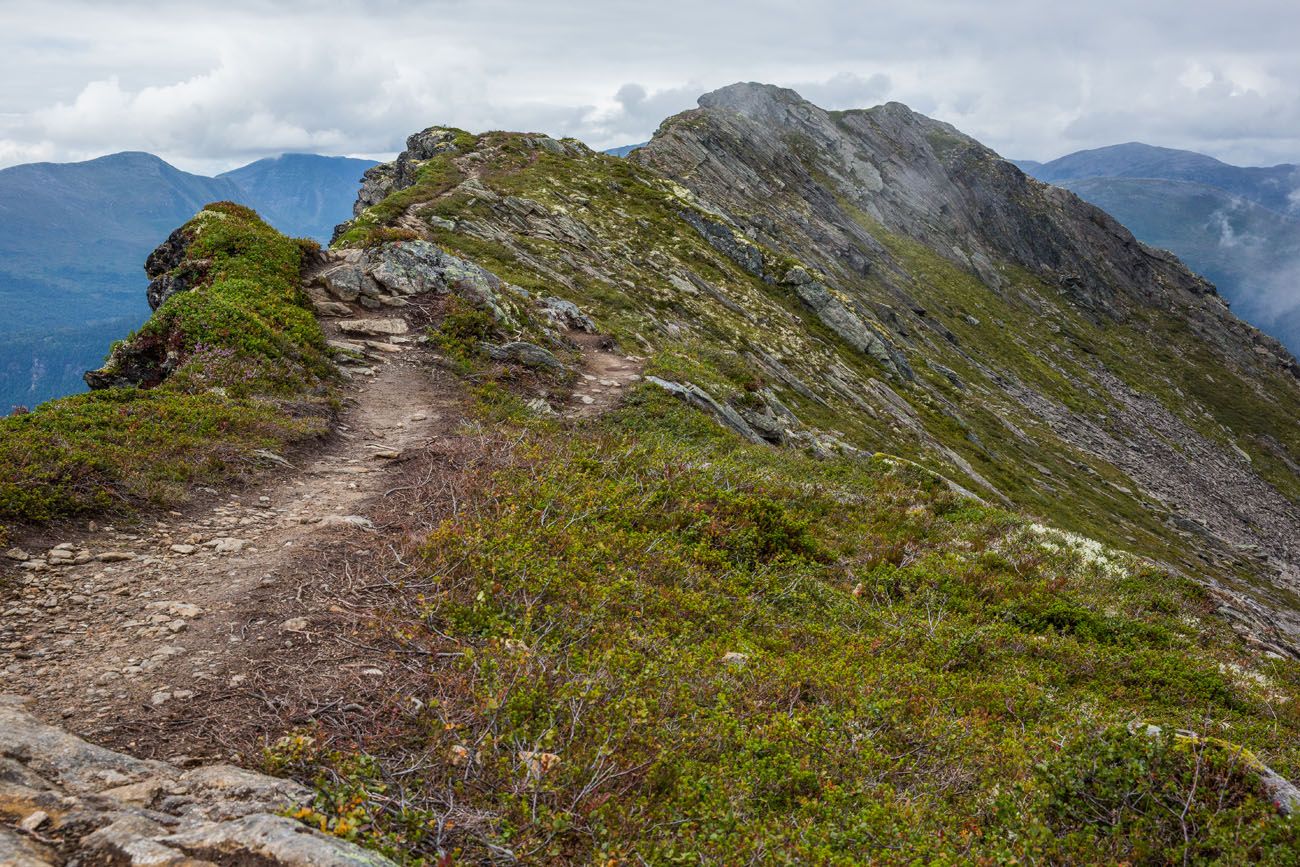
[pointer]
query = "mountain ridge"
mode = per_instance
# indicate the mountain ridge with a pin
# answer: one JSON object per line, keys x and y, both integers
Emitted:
{"x": 1270, "y": 186}
{"x": 809, "y": 487}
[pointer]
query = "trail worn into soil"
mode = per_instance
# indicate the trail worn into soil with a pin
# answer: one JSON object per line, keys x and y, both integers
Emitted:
{"x": 159, "y": 637}
{"x": 165, "y": 612}
{"x": 605, "y": 376}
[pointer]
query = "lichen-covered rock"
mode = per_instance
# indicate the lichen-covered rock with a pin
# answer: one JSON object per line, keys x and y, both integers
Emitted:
{"x": 566, "y": 315}
{"x": 401, "y": 269}
{"x": 527, "y": 354}
{"x": 833, "y": 313}
{"x": 83, "y": 804}
{"x": 347, "y": 282}
{"x": 698, "y": 397}
{"x": 728, "y": 242}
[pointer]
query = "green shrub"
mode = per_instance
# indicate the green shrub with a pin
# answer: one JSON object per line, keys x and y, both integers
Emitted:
{"x": 249, "y": 372}
{"x": 737, "y": 654}
{"x": 461, "y": 332}
{"x": 1117, "y": 796}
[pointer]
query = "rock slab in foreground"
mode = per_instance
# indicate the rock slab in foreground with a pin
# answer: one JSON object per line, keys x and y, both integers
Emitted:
{"x": 65, "y": 801}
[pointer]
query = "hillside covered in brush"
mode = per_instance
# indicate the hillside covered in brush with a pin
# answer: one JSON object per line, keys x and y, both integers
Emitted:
{"x": 807, "y": 487}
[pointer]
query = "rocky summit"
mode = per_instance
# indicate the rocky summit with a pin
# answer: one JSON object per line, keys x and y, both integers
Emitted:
{"x": 1100, "y": 352}
{"x": 804, "y": 487}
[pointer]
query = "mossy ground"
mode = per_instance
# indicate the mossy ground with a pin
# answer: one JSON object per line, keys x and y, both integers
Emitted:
{"x": 649, "y": 643}
{"x": 250, "y": 373}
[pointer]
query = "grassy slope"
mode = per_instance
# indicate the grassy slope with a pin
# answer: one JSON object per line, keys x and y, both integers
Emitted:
{"x": 921, "y": 677}
{"x": 251, "y": 373}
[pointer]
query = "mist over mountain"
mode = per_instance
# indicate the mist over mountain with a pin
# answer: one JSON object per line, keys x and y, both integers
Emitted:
{"x": 74, "y": 237}
{"x": 1239, "y": 226}
{"x": 1274, "y": 187}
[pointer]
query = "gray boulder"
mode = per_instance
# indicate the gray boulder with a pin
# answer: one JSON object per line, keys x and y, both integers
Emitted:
{"x": 347, "y": 282}
{"x": 95, "y": 806}
{"x": 567, "y": 315}
{"x": 408, "y": 267}
{"x": 528, "y": 354}
{"x": 400, "y": 269}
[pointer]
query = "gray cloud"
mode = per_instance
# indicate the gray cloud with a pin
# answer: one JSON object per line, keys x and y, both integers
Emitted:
{"x": 211, "y": 85}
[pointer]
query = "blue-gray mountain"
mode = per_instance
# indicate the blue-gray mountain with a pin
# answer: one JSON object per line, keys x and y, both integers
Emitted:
{"x": 74, "y": 237}
{"x": 1239, "y": 226}
{"x": 304, "y": 195}
{"x": 624, "y": 150}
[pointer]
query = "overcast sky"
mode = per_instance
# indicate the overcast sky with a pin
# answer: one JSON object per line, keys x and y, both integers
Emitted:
{"x": 209, "y": 86}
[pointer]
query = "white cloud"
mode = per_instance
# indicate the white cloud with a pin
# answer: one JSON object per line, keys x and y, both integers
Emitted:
{"x": 213, "y": 85}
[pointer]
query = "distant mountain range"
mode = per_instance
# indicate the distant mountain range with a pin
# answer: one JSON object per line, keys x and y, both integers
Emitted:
{"x": 624, "y": 150}
{"x": 1238, "y": 226}
{"x": 74, "y": 237}
{"x": 304, "y": 195}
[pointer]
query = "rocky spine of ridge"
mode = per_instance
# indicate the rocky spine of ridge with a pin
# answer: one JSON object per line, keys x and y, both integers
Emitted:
{"x": 787, "y": 172}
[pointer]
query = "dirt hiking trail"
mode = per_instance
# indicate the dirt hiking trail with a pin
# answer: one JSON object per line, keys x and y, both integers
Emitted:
{"x": 158, "y": 637}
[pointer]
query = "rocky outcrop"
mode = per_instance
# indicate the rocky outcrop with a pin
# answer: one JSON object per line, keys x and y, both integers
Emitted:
{"x": 813, "y": 184}
{"x": 836, "y": 316}
{"x": 751, "y": 143}
{"x": 389, "y": 273}
{"x": 170, "y": 270}
{"x": 695, "y": 396}
{"x": 142, "y": 364}
{"x": 147, "y": 362}
{"x": 64, "y": 801}
{"x": 728, "y": 242}
{"x": 164, "y": 268}
{"x": 378, "y": 181}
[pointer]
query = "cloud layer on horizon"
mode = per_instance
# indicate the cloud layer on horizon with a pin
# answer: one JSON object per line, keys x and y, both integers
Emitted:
{"x": 209, "y": 86}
